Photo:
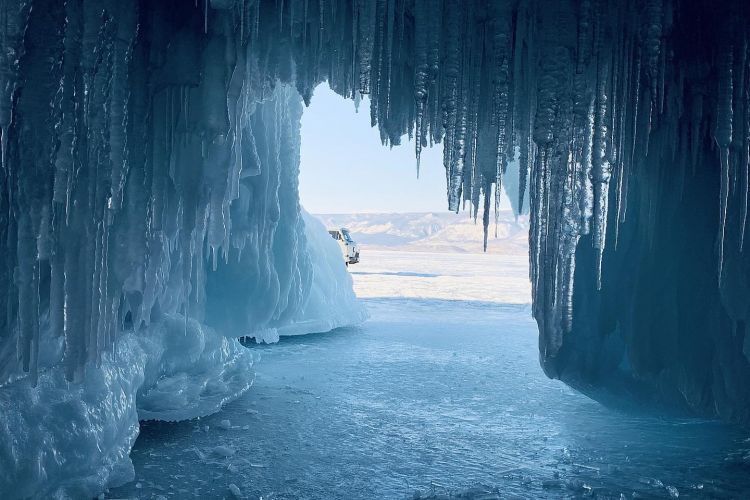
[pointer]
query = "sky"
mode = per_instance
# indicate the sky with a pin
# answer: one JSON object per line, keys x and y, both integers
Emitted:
{"x": 345, "y": 168}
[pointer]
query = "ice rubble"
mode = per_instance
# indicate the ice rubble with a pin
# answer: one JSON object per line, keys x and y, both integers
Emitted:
{"x": 147, "y": 158}
{"x": 70, "y": 440}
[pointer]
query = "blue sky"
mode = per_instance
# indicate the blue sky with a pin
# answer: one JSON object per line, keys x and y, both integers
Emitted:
{"x": 345, "y": 168}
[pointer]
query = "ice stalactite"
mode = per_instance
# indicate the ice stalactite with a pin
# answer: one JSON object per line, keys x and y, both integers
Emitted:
{"x": 723, "y": 138}
{"x": 598, "y": 103}
{"x": 136, "y": 168}
{"x": 150, "y": 168}
{"x": 136, "y": 165}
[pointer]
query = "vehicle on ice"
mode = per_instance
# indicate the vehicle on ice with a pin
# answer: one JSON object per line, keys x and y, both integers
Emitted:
{"x": 349, "y": 247}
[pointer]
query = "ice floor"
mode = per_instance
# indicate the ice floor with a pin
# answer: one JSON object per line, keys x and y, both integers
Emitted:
{"x": 439, "y": 392}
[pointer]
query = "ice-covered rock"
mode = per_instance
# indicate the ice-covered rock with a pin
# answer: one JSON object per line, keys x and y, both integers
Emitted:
{"x": 58, "y": 438}
{"x": 190, "y": 370}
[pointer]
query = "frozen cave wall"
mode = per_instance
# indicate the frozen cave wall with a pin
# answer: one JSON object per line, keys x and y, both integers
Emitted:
{"x": 149, "y": 216}
{"x": 138, "y": 175}
{"x": 150, "y": 162}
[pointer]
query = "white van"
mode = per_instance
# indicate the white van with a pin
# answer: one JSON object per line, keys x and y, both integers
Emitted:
{"x": 349, "y": 247}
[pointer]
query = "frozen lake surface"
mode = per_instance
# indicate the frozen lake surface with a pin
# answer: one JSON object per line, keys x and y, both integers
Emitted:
{"x": 440, "y": 392}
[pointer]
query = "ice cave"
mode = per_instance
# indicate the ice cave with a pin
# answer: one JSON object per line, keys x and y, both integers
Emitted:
{"x": 150, "y": 218}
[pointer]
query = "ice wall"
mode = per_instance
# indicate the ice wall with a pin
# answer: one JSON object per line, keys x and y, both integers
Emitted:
{"x": 149, "y": 168}
{"x": 133, "y": 172}
{"x": 629, "y": 122}
{"x": 149, "y": 216}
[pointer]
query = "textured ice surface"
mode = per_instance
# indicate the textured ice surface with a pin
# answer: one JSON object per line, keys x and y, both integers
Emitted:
{"x": 149, "y": 159}
{"x": 437, "y": 394}
{"x": 443, "y": 276}
{"x": 331, "y": 302}
{"x": 73, "y": 439}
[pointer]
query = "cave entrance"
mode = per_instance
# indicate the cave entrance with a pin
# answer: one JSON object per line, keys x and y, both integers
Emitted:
{"x": 442, "y": 384}
{"x": 411, "y": 246}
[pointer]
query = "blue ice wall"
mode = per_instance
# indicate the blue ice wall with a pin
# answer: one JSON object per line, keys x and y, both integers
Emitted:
{"x": 132, "y": 167}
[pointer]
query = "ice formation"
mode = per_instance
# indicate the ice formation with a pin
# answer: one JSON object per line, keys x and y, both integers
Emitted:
{"x": 149, "y": 160}
{"x": 329, "y": 302}
{"x": 149, "y": 214}
{"x": 70, "y": 440}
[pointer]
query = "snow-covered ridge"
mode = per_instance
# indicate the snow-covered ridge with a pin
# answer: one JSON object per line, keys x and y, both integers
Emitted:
{"x": 444, "y": 232}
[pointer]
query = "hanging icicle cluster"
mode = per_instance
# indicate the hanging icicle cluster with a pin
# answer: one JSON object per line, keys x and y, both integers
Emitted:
{"x": 134, "y": 166}
{"x": 574, "y": 90}
{"x": 126, "y": 132}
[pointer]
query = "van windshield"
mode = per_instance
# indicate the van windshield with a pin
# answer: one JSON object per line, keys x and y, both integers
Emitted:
{"x": 347, "y": 238}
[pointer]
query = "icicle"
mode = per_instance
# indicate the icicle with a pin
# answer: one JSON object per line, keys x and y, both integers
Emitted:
{"x": 723, "y": 137}
{"x": 739, "y": 133}
{"x": 602, "y": 170}
{"x": 586, "y": 187}
{"x": 585, "y": 35}
{"x": 14, "y": 16}
{"x": 3, "y": 145}
{"x": 653, "y": 24}
{"x": 421, "y": 68}
{"x": 745, "y": 154}
{"x": 390, "y": 21}
{"x": 450, "y": 98}
{"x": 365, "y": 41}
{"x": 502, "y": 99}
{"x": 486, "y": 213}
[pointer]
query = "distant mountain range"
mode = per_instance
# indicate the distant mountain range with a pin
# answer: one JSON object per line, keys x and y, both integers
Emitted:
{"x": 444, "y": 232}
